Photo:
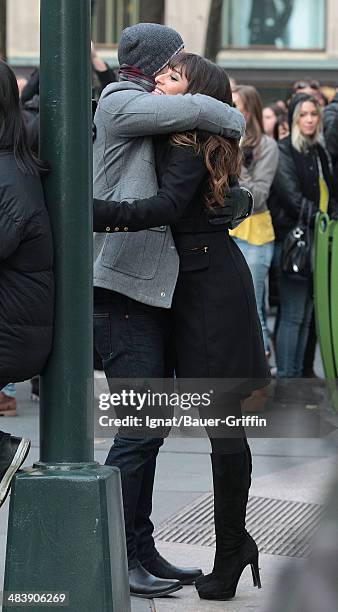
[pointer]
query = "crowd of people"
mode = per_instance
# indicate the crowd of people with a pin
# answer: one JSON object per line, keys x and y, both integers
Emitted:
{"x": 300, "y": 176}
{"x": 181, "y": 265}
{"x": 265, "y": 147}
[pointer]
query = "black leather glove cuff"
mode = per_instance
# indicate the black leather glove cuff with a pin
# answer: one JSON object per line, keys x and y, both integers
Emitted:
{"x": 238, "y": 205}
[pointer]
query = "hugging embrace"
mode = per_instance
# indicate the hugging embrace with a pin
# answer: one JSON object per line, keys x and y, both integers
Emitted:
{"x": 172, "y": 291}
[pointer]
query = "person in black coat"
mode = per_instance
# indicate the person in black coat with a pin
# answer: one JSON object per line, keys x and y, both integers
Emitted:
{"x": 304, "y": 177}
{"x": 26, "y": 258}
{"x": 330, "y": 120}
{"x": 215, "y": 325}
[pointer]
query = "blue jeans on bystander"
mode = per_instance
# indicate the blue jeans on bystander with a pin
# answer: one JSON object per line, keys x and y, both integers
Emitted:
{"x": 258, "y": 258}
{"x": 9, "y": 390}
{"x": 296, "y": 307}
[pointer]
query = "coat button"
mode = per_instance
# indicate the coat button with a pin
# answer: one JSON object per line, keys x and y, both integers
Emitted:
{"x": 107, "y": 229}
{"x": 116, "y": 229}
{"x": 162, "y": 293}
{"x": 125, "y": 229}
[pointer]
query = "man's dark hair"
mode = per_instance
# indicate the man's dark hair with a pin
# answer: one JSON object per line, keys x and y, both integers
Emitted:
{"x": 13, "y": 136}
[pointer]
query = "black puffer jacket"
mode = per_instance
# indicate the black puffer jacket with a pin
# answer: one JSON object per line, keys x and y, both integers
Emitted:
{"x": 26, "y": 276}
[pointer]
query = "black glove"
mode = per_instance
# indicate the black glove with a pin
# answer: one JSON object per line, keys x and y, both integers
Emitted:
{"x": 238, "y": 205}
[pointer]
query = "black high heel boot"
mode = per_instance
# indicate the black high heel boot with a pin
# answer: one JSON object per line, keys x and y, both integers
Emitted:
{"x": 204, "y": 579}
{"x": 235, "y": 548}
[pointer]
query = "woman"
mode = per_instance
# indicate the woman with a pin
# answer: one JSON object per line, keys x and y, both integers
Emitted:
{"x": 270, "y": 119}
{"x": 216, "y": 328}
{"x": 303, "y": 176}
{"x": 26, "y": 254}
{"x": 255, "y": 236}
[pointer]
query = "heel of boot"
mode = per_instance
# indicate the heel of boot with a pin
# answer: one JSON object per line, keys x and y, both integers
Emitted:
{"x": 255, "y": 574}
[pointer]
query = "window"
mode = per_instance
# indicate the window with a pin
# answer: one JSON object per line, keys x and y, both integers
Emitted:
{"x": 110, "y": 17}
{"x": 288, "y": 24}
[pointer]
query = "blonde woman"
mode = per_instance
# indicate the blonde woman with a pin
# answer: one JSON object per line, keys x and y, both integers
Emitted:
{"x": 303, "y": 176}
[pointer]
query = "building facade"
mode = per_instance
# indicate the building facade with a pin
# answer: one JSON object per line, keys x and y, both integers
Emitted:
{"x": 269, "y": 43}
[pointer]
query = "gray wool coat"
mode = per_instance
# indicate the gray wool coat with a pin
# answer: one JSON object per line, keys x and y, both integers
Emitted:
{"x": 143, "y": 265}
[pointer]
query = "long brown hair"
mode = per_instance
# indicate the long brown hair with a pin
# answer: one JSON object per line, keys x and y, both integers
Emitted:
{"x": 13, "y": 135}
{"x": 222, "y": 155}
{"x": 252, "y": 104}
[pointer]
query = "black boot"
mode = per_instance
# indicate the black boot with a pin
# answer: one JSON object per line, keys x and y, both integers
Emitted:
{"x": 144, "y": 584}
{"x": 235, "y": 549}
{"x": 204, "y": 579}
{"x": 161, "y": 568}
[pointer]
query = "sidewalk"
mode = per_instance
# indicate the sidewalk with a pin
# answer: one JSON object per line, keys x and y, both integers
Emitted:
{"x": 294, "y": 470}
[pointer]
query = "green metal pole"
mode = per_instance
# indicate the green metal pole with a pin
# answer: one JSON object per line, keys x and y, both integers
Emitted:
{"x": 66, "y": 529}
{"x": 334, "y": 293}
{"x": 65, "y": 98}
{"x": 323, "y": 287}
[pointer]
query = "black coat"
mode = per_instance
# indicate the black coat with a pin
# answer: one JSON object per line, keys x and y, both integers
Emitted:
{"x": 26, "y": 276}
{"x": 297, "y": 177}
{"x": 330, "y": 118}
{"x": 216, "y": 326}
{"x": 217, "y": 332}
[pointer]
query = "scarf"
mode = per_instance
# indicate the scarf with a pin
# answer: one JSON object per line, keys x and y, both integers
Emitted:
{"x": 131, "y": 73}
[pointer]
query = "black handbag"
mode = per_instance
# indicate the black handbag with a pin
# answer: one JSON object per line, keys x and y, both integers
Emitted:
{"x": 296, "y": 259}
{"x": 238, "y": 205}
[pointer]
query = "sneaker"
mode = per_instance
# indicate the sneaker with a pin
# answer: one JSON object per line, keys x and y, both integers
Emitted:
{"x": 7, "y": 405}
{"x": 13, "y": 452}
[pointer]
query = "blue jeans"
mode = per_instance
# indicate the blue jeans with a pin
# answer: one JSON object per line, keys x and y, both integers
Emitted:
{"x": 258, "y": 258}
{"x": 9, "y": 390}
{"x": 130, "y": 338}
{"x": 296, "y": 307}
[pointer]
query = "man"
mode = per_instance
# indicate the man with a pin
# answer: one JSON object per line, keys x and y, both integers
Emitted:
{"x": 135, "y": 273}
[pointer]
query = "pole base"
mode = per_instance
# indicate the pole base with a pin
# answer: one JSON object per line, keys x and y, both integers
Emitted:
{"x": 66, "y": 534}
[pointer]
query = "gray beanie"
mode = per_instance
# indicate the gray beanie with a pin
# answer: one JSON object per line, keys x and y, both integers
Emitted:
{"x": 148, "y": 46}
